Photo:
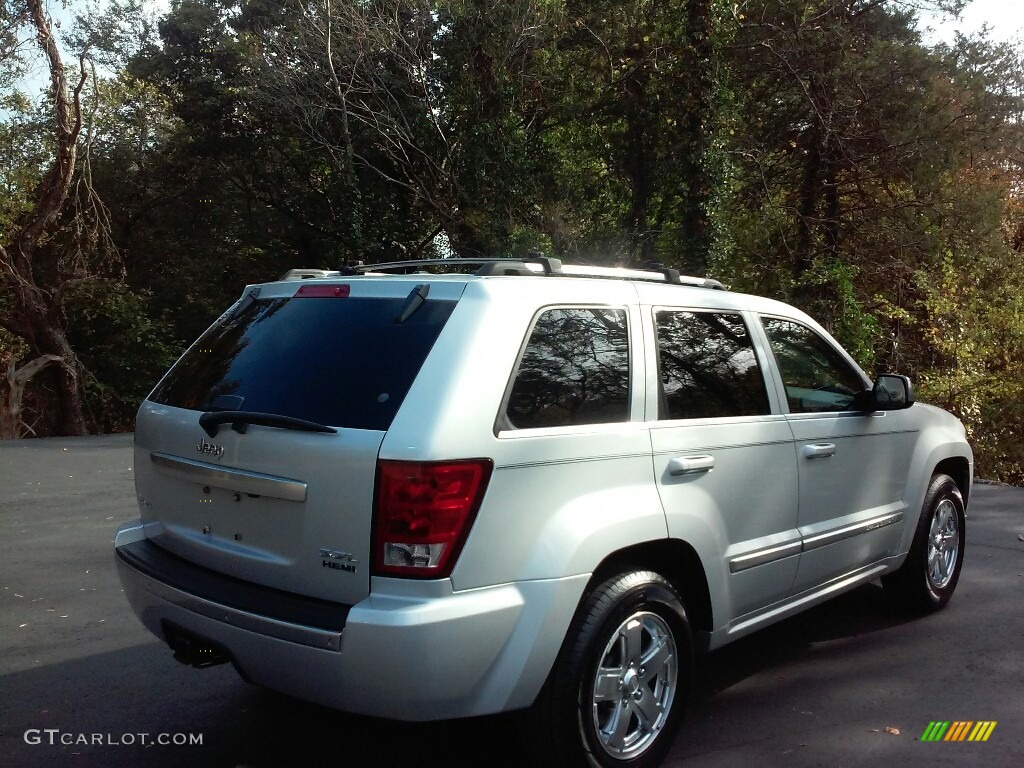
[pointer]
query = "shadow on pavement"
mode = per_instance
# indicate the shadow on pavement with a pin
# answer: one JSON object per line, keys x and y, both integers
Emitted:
{"x": 853, "y": 615}
{"x": 141, "y": 690}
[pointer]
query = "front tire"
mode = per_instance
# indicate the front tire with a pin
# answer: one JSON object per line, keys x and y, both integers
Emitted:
{"x": 616, "y": 694}
{"x": 927, "y": 579}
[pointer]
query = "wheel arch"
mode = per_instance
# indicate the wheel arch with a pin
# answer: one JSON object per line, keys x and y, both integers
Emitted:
{"x": 626, "y": 581}
{"x": 674, "y": 559}
{"x": 958, "y": 468}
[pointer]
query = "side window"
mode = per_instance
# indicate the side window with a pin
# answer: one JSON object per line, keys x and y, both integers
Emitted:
{"x": 574, "y": 370}
{"x": 816, "y": 376}
{"x": 707, "y": 366}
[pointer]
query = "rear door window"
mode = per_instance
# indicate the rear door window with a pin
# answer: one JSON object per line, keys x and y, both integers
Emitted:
{"x": 574, "y": 370}
{"x": 707, "y": 366}
{"x": 342, "y": 362}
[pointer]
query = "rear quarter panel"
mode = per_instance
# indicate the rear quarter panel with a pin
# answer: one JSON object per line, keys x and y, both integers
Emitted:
{"x": 559, "y": 500}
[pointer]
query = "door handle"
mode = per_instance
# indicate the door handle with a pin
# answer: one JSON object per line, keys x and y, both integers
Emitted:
{"x": 819, "y": 450}
{"x": 690, "y": 465}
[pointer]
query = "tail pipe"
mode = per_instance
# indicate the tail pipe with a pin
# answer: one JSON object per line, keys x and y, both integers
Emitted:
{"x": 194, "y": 651}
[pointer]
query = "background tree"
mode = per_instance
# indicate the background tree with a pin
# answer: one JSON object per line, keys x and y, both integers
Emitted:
{"x": 871, "y": 175}
{"x": 427, "y": 108}
{"x": 636, "y": 95}
{"x": 36, "y": 277}
{"x": 812, "y": 150}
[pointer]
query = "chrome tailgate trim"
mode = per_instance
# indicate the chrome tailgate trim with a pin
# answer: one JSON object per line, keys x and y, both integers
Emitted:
{"x": 243, "y": 481}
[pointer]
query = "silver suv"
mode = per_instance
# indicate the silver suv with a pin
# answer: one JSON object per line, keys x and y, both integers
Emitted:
{"x": 524, "y": 486}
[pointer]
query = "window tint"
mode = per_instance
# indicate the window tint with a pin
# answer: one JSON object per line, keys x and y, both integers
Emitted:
{"x": 574, "y": 370}
{"x": 816, "y": 376}
{"x": 708, "y": 367}
{"x": 341, "y": 362}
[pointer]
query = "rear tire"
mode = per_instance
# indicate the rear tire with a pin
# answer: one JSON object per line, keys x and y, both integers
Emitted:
{"x": 616, "y": 695}
{"x": 927, "y": 579}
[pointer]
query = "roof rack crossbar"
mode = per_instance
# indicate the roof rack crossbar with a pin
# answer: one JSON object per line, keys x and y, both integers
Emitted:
{"x": 671, "y": 275}
{"x": 675, "y": 278}
{"x": 487, "y": 265}
{"x": 549, "y": 265}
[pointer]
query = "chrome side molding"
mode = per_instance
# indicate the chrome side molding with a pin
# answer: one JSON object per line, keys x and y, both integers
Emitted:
{"x": 762, "y": 556}
{"x": 849, "y": 531}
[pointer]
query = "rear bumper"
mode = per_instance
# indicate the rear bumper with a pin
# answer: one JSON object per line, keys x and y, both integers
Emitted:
{"x": 409, "y": 651}
{"x": 297, "y": 619}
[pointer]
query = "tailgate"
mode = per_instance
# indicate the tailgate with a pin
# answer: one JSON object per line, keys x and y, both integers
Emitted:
{"x": 290, "y": 511}
{"x": 250, "y": 491}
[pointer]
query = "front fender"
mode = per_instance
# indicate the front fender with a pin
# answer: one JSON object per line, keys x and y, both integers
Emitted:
{"x": 942, "y": 437}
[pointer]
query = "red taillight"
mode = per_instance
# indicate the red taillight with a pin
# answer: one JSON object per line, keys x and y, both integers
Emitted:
{"x": 322, "y": 292}
{"x": 423, "y": 514}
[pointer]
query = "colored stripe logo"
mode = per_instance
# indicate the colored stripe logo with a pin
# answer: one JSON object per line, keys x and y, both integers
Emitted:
{"x": 958, "y": 730}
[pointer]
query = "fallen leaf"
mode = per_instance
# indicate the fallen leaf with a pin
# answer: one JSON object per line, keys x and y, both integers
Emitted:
{"x": 894, "y": 731}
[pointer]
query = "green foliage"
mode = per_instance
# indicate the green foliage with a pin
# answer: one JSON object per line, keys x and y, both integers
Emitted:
{"x": 23, "y": 157}
{"x": 636, "y": 97}
{"x": 124, "y": 349}
{"x": 808, "y": 150}
{"x": 12, "y": 64}
{"x": 869, "y": 183}
{"x": 975, "y": 329}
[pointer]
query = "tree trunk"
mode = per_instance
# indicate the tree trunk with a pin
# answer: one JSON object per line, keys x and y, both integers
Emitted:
{"x": 807, "y": 206}
{"x": 71, "y": 414}
{"x": 696, "y": 245}
{"x": 12, "y": 401}
{"x": 638, "y": 162}
{"x": 35, "y": 315}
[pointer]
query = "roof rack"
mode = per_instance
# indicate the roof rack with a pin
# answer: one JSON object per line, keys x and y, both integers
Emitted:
{"x": 534, "y": 264}
{"x": 542, "y": 265}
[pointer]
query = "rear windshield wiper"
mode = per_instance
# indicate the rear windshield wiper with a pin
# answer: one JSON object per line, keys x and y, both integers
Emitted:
{"x": 416, "y": 299}
{"x": 240, "y": 420}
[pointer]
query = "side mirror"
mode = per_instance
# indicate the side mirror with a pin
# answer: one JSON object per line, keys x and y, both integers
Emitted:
{"x": 892, "y": 393}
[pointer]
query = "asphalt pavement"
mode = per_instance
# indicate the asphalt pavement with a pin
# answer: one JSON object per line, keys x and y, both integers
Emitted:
{"x": 849, "y": 683}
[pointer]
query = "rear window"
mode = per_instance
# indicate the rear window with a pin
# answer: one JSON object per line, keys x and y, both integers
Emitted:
{"x": 342, "y": 362}
{"x": 708, "y": 366}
